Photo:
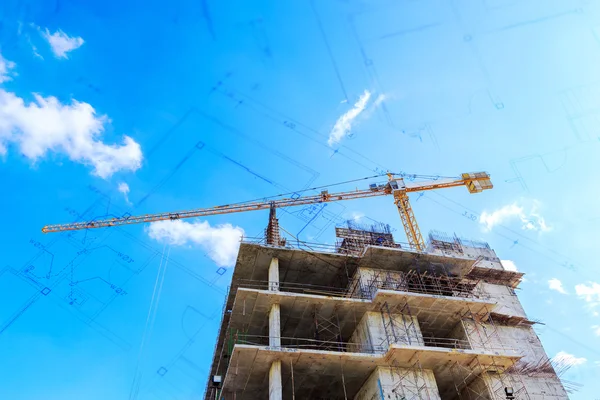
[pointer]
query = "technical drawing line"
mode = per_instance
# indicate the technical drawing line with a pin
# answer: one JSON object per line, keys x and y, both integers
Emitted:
{"x": 169, "y": 132}
{"x": 248, "y": 170}
{"x": 327, "y": 45}
{"x": 312, "y": 219}
{"x": 411, "y": 30}
{"x": 519, "y": 176}
{"x": 19, "y": 312}
{"x": 187, "y": 308}
{"x": 245, "y": 168}
{"x": 150, "y": 319}
{"x": 536, "y": 20}
{"x": 207, "y": 17}
{"x": 102, "y": 330}
{"x": 258, "y": 143}
{"x": 260, "y": 37}
{"x": 293, "y": 125}
{"x": 372, "y": 74}
{"x": 160, "y": 184}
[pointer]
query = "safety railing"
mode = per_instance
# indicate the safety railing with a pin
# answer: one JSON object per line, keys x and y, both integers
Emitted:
{"x": 361, "y": 288}
{"x": 295, "y": 287}
{"x": 448, "y": 343}
{"x": 290, "y": 343}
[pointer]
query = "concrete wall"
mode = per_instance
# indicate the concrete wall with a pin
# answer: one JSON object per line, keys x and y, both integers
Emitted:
{"x": 458, "y": 332}
{"x": 507, "y": 301}
{"x": 361, "y": 283}
{"x": 477, "y": 390}
{"x": 537, "y": 387}
{"x": 490, "y": 386}
{"x": 371, "y": 333}
{"x": 523, "y": 340}
{"x": 399, "y": 384}
{"x": 526, "y": 342}
{"x": 489, "y": 257}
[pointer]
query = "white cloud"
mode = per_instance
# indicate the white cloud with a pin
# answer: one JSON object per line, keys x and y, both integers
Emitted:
{"x": 590, "y": 294}
{"x": 530, "y": 218}
{"x": 509, "y": 265}
{"x": 5, "y": 69}
{"x": 556, "y": 284}
{"x": 379, "y": 100}
{"x": 221, "y": 242}
{"x": 596, "y": 329}
{"x": 343, "y": 126}
{"x": 62, "y": 43}
{"x": 46, "y": 125}
{"x": 569, "y": 359}
{"x": 124, "y": 188}
{"x": 356, "y": 216}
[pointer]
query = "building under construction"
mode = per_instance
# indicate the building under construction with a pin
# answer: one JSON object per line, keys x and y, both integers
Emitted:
{"x": 369, "y": 319}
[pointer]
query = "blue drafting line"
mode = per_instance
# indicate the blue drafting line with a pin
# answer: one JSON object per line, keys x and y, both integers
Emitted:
{"x": 248, "y": 169}
{"x": 170, "y": 175}
{"x": 311, "y": 220}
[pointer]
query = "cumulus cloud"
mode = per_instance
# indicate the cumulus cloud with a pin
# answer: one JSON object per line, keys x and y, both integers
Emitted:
{"x": 569, "y": 359}
{"x": 221, "y": 242}
{"x": 61, "y": 43}
{"x": 530, "y": 218}
{"x": 46, "y": 125}
{"x": 557, "y": 285}
{"x": 596, "y": 329}
{"x": 5, "y": 69}
{"x": 590, "y": 293}
{"x": 343, "y": 126}
{"x": 509, "y": 265}
{"x": 124, "y": 188}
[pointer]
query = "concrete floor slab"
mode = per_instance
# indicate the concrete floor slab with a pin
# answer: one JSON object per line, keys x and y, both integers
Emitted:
{"x": 320, "y": 372}
{"x": 438, "y": 314}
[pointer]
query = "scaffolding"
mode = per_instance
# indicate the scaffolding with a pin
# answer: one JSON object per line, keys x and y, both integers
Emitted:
{"x": 496, "y": 276}
{"x": 441, "y": 241}
{"x": 412, "y": 381}
{"x": 488, "y": 381}
{"x": 328, "y": 334}
{"x": 353, "y": 239}
{"x": 413, "y": 281}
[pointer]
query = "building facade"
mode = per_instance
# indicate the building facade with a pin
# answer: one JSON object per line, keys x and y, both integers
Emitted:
{"x": 369, "y": 320}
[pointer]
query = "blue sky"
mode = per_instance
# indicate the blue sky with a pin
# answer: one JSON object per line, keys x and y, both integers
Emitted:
{"x": 128, "y": 107}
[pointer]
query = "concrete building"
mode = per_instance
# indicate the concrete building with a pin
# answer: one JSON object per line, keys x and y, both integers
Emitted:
{"x": 367, "y": 319}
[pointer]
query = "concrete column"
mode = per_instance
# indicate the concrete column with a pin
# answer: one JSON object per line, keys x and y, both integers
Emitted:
{"x": 275, "y": 326}
{"x": 275, "y": 388}
{"x": 274, "y": 275}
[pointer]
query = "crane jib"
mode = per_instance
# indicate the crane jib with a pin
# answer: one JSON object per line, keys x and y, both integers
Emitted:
{"x": 475, "y": 183}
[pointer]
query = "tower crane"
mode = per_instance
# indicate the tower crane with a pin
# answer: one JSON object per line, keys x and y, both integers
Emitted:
{"x": 396, "y": 186}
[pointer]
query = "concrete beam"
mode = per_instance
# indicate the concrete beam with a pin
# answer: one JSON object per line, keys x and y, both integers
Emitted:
{"x": 274, "y": 275}
{"x": 275, "y": 387}
{"x": 275, "y": 326}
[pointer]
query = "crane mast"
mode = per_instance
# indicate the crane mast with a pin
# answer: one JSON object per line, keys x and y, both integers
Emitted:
{"x": 396, "y": 186}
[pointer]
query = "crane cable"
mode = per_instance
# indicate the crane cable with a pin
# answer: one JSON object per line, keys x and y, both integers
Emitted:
{"x": 434, "y": 177}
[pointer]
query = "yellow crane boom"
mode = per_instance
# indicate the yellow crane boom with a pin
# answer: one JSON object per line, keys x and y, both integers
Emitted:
{"x": 475, "y": 183}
